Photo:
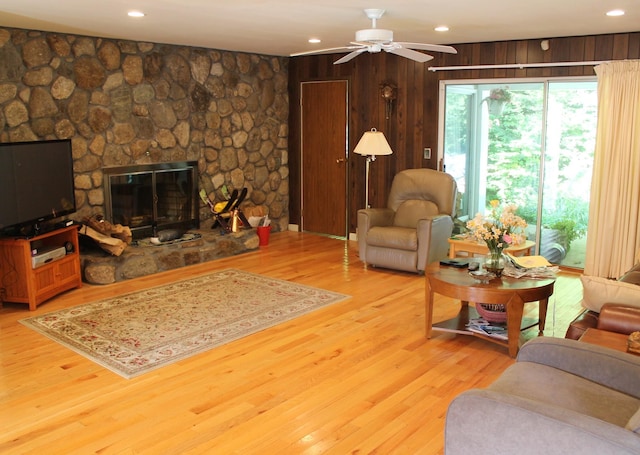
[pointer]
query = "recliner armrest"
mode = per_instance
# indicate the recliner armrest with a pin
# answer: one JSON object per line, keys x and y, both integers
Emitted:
{"x": 613, "y": 369}
{"x": 433, "y": 233}
{"x": 619, "y": 318}
{"x": 368, "y": 218}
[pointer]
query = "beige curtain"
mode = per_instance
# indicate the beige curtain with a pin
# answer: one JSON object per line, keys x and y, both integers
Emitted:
{"x": 613, "y": 234}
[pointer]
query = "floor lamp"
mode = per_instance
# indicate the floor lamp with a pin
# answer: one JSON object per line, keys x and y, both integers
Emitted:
{"x": 372, "y": 143}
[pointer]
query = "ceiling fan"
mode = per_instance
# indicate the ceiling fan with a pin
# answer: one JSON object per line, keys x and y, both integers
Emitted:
{"x": 377, "y": 39}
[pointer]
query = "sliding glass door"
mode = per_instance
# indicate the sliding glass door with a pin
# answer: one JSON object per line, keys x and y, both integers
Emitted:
{"x": 529, "y": 143}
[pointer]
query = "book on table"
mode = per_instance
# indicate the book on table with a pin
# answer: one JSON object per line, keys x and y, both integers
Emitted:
{"x": 529, "y": 262}
{"x": 484, "y": 327}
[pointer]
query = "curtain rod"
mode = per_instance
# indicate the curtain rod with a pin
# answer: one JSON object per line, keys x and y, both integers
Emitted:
{"x": 513, "y": 65}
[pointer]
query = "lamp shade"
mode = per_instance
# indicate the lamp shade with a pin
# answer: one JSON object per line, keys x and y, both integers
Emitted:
{"x": 373, "y": 143}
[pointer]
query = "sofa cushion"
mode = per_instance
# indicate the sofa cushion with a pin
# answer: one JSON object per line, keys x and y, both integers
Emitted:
{"x": 597, "y": 291}
{"x": 398, "y": 238}
{"x": 410, "y": 211}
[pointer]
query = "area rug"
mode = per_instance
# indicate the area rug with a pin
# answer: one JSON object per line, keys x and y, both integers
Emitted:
{"x": 138, "y": 332}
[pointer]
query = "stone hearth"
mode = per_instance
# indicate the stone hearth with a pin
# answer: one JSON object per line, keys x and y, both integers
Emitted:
{"x": 99, "y": 267}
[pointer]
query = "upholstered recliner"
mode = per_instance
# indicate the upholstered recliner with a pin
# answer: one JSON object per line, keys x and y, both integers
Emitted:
{"x": 597, "y": 291}
{"x": 561, "y": 396}
{"x": 413, "y": 230}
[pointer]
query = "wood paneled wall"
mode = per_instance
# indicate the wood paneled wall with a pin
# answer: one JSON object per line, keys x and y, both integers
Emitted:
{"x": 413, "y": 123}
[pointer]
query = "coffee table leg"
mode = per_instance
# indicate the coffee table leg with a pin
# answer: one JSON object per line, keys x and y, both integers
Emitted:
{"x": 542, "y": 315}
{"x": 515, "y": 308}
{"x": 428, "y": 308}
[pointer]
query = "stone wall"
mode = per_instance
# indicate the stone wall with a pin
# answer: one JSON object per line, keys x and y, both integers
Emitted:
{"x": 124, "y": 102}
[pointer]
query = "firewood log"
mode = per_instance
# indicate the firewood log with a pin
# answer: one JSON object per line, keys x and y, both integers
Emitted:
{"x": 106, "y": 228}
{"x": 109, "y": 244}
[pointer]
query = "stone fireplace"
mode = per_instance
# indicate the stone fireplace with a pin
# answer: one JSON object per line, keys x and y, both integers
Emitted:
{"x": 164, "y": 196}
{"x": 148, "y": 196}
{"x": 125, "y": 102}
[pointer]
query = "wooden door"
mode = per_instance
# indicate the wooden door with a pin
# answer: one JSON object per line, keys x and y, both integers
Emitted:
{"x": 324, "y": 157}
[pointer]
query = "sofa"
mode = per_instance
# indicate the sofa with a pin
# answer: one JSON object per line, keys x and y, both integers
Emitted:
{"x": 561, "y": 396}
{"x": 622, "y": 300}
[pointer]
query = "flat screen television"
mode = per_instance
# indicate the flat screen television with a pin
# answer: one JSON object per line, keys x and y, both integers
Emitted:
{"x": 36, "y": 185}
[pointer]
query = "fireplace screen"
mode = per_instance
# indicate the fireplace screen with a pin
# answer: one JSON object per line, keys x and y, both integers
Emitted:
{"x": 161, "y": 195}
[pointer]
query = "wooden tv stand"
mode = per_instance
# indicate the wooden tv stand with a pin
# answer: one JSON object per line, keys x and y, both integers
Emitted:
{"x": 21, "y": 283}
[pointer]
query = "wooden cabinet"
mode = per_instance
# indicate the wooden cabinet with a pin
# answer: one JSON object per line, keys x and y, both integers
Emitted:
{"x": 21, "y": 282}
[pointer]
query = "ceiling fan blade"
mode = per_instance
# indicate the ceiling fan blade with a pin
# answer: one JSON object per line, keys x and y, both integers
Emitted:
{"x": 331, "y": 50}
{"x": 350, "y": 56}
{"x": 408, "y": 53}
{"x": 430, "y": 47}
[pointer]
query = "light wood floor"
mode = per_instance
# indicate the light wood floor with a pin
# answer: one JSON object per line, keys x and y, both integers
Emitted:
{"x": 355, "y": 377}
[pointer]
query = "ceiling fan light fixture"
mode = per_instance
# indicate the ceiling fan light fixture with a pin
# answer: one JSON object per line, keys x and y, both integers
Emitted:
{"x": 375, "y": 39}
{"x": 615, "y": 13}
{"x": 375, "y": 35}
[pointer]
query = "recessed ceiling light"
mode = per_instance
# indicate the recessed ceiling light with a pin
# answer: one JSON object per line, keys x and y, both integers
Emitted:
{"x": 615, "y": 12}
{"x": 441, "y": 28}
{"x": 314, "y": 40}
{"x": 135, "y": 14}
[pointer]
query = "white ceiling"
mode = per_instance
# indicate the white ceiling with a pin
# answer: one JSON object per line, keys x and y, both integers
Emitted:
{"x": 282, "y": 27}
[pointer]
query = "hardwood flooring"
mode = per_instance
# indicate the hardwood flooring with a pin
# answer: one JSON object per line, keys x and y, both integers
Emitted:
{"x": 355, "y": 377}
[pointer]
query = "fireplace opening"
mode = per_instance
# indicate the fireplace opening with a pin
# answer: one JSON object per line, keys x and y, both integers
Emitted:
{"x": 163, "y": 195}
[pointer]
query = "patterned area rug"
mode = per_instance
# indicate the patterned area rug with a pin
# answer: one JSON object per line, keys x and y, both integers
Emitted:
{"x": 135, "y": 333}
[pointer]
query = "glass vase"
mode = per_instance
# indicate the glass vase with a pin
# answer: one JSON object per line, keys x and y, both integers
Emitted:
{"x": 494, "y": 262}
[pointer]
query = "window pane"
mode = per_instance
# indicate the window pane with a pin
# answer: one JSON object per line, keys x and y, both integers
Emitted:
{"x": 514, "y": 147}
{"x": 458, "y": 142}
{"x": 570, "y": 142}
{"x": 530, "y": 144}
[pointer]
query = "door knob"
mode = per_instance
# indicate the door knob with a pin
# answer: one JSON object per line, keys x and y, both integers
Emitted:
{"x": 340, "y": 160}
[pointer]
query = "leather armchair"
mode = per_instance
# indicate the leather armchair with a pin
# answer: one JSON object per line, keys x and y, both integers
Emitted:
{"x": 561, "y": 396}
{"x": 413, "y": 230}
{"x": 622, "y": 305}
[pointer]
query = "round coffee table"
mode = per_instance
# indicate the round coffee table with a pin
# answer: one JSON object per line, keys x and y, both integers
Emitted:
{"x": 511, "y": 292}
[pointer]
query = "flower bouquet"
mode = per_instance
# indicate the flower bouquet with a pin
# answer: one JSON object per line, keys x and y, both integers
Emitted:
{"x": 501, "y": 228}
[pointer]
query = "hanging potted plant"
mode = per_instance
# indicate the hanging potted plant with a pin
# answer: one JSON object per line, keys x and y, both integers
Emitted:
{"x": 496, "y": 100}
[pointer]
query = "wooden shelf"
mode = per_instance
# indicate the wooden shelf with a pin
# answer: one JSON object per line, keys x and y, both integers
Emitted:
{"x": 458, "y": 325}
{"x": 21, "y": 283}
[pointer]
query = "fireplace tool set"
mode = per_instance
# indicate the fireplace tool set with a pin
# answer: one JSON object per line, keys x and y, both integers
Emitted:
{"x": 227, "y": 214}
